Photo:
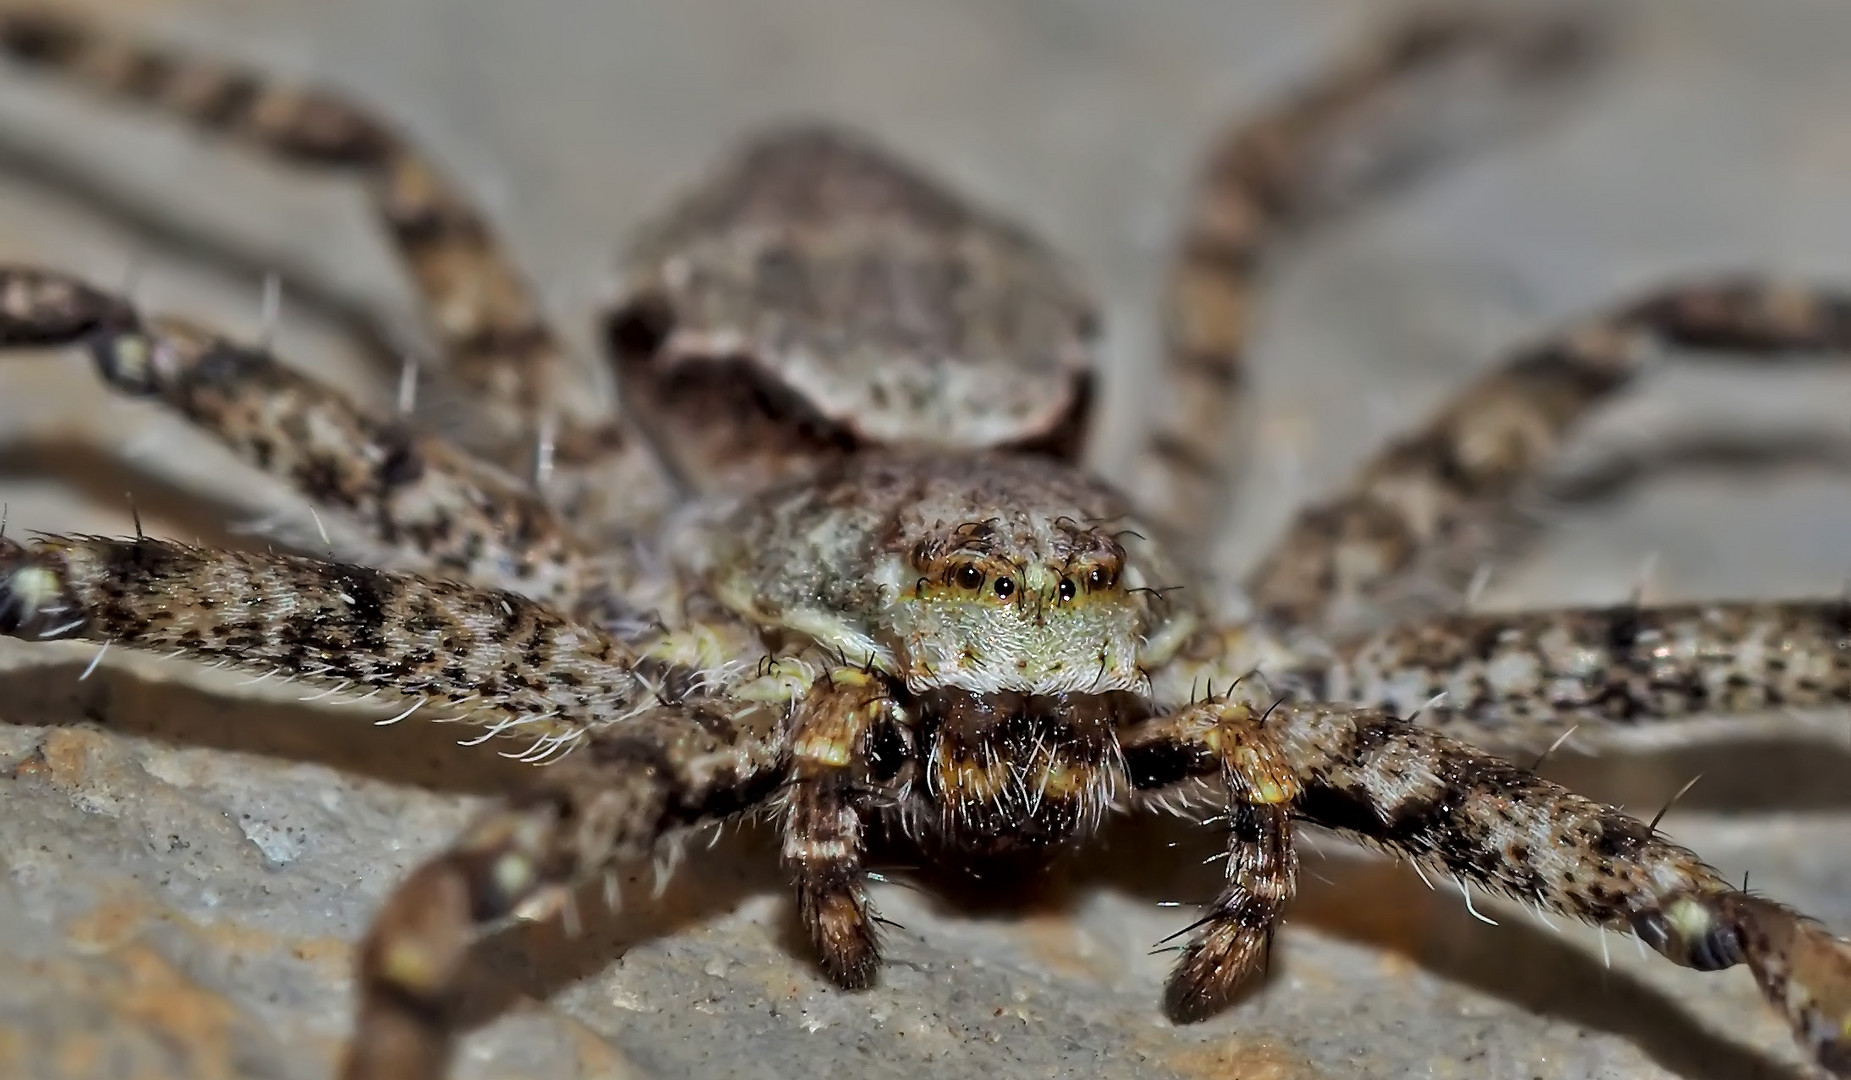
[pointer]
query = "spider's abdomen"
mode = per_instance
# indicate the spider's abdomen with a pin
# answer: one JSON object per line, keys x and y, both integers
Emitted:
{"x": 1014, "y": 774}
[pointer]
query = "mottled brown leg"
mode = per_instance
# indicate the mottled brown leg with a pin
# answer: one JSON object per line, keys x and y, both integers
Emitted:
{"x": 1387, "y": 115}
{"x": 480, "y": 306}
{"x": 1228, "y": 742}
{"x": 609, "y": 804}
{"x": 1521, "y": 679}
{"x": 1494, "y": 824}
{"x": 1432, "y": 506}
{"x": 489, "y": 657}
{"x": 390, "y": 496}
{"x": 823, "y": 824}
{"x": 1452, "y": 806}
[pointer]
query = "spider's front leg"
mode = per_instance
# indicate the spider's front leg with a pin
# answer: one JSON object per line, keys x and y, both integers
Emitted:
{"x": 1439, "y": 502}
{"x": 490, "y": 326}
{"x": 1449, "y": 805}
{"x": 611, "y": 803}
{"x": 492, "y": 657}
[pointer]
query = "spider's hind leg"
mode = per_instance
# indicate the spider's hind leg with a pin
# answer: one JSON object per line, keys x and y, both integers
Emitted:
{"x": 489, "y": 323}
{"x": 1438, "y": 502}
{"x": 1428, "y": 88}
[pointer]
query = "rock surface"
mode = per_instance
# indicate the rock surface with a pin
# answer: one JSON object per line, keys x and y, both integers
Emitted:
{"x": 186, "y": 860}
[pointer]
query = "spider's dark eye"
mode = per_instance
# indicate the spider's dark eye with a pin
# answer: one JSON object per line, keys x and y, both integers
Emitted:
{"x": 968, "y": 577}
{"x": 1067, "y": 589}
{"x": 1005, "y": 588}
{"x": 1099, "y": 578}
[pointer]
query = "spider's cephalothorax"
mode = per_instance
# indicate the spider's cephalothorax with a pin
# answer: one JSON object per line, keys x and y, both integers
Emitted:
{"x": 1010, "y": 605}
{"x": 980, "y": 573}
{"x": 896, "y": 598}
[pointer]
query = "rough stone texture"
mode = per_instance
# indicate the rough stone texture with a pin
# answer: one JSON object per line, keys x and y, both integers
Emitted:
{"x": 186, "y": 863}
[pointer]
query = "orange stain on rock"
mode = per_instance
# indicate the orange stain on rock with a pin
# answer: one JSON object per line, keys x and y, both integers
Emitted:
{"x": 159, "y": 995}
{"x": 110, "y": 925}
{"x": 70, "y": 754}
{"x": 1059, "y": 945}
{"x": 1242, "y": 1059}
{"x": 139, "y": 989}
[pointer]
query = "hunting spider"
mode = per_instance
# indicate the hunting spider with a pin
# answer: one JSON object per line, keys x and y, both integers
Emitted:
{"x": 835, "y": 564}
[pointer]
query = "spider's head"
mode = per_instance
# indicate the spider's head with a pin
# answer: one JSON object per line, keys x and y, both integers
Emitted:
{"x": 1027, "y": 604}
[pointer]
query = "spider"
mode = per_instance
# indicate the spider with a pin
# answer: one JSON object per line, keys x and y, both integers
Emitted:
{"x": 835, "y": 562}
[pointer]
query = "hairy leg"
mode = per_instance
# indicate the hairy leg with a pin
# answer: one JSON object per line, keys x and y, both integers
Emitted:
{"x": 1522, "y": 679}
{"x": 480, "y": 306}
{"x": 1381, "y": 118}
{"x": 1224, "y": 741}
{"x": 609, "y": 804}
{"x": 486, "y": 656}
{"x": 395, "y": 497}
{"x": 1449, "y": 805}
{"x": 1436, "y": 503}
{"x": 823, "y": 841}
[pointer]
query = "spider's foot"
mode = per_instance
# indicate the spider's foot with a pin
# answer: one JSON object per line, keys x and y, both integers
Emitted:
{"x": 35, "y": 595}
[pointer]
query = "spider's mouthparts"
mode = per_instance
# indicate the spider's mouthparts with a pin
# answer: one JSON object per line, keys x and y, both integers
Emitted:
{"x": 1015, "y": 773}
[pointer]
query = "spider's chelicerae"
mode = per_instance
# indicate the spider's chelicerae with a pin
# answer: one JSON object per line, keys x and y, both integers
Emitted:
{"x": 835, "y": 563}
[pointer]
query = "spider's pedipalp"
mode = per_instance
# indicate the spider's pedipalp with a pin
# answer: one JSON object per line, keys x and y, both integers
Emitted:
{"x": 1420, "y": 794}
{"x": 1393, "y": 112}
{"x": 1437, "y": 503}
{"x": 830, "y": 783}
{"x": 1237, "y": 933}
{"x": 494, "y": 656}
{"x": 405, "y": 499}
{"x": 660, "y": 773}
{"x": 1234, "y": 743}
{"x": 1519, "y": 679}
{"x": 485, "y": 315}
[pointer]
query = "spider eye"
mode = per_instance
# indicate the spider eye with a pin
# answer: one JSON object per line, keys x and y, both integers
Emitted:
{"x": 968, "y": 577}
{"x": 1005, "y": 588}
{"x": 1099, "y": 578}
{"x": 1068, "y": 590}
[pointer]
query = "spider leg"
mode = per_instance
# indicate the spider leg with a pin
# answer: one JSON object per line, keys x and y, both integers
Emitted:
{"x": 1367, "y": 125}
{"x": 1227, "y": 741}
{"x": 490, "y": 325}
{"x": 1449, "y": 805}
{"x": 632, "y": 786}
{"x": 1520, "y": 679}
{"x": 823, "y": 841}
{"x": 496, "y": 658}
{"x": 395, "y": 497}
{"x": 1437, "y": 501}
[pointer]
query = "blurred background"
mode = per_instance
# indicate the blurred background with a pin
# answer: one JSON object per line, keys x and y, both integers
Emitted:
{"x": 178, "y": 902}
